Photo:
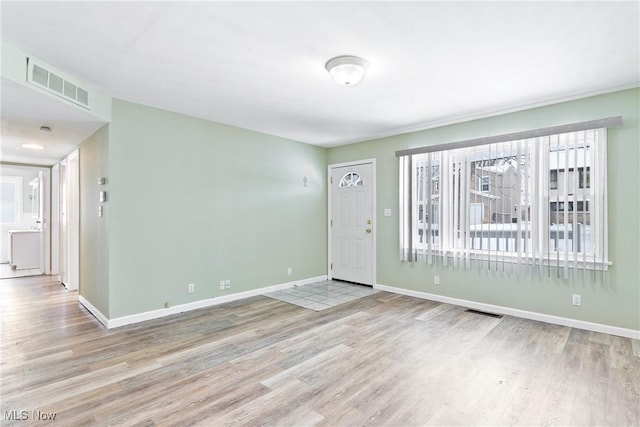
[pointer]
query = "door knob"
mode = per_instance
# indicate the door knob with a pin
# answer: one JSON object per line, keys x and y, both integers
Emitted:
{"x": 368, "y": 230}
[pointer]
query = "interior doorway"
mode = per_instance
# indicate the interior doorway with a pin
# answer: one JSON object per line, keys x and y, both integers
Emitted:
{"x": 25, "y": 208}
{"x": 352, "y": 222}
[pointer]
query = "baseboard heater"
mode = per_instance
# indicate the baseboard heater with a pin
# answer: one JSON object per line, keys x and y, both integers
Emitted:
{"x": 485, "y": 313}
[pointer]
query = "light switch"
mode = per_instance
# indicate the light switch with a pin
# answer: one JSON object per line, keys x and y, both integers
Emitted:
{"x": 387, "y": 212}
{"x": 100, "y": 211}
{"x": 103, "y": 196}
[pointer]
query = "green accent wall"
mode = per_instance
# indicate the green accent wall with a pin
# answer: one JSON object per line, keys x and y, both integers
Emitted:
{"x": 94, "y": 230}
{"x": 193, "y": 201}
{"x": 614, "y": 301}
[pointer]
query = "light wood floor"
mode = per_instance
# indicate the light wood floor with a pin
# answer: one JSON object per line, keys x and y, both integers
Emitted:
{"x": 6, "y": 272}
{"x": 381, "y": 360}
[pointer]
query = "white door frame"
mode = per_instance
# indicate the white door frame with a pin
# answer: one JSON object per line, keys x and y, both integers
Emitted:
{"x": 44, "y": 212}
{"x": 47, "y": 223}
{"x": 330, "y": 167}
{"x": 54, "y": 224}
{"x": 63, "y": 269}
{"x": 72, "y": 176}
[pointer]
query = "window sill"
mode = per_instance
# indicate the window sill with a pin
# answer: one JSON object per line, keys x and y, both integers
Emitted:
{"x": 549, "y": 260}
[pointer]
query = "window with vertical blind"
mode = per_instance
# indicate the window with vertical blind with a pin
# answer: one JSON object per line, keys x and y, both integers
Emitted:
{"x": 521, "y": 202}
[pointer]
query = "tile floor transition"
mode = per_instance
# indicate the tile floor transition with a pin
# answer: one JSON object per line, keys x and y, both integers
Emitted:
{"x": 322, "y": 295}
{"x": 6, "y": 272}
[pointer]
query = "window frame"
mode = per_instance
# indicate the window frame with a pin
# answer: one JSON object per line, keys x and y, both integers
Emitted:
{"x": 553, "y": 179}
{"x": 545, "y": 196}
{"x": 584, "y": 171}
{"x": 481, "y": 183}
{"x": 349, "y": 182}
{"x": 17, "y": 183}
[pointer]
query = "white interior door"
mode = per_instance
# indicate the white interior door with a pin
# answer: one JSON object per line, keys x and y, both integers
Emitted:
{"x": 352, "y": 228}
{"x": 55, "y": 220}
{"x": 69, "y": 218}
{"x": 44, "y": 213}
{"x": 42, "y": 184}
{"x": 62, "y": 253}
{"x": 72, "y": 222}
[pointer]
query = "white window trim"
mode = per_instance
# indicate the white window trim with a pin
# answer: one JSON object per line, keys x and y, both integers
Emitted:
{"x": 481, "y": 180}
{"x": 540, "y": 253}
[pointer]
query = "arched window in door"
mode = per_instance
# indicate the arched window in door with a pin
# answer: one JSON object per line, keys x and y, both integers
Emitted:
{"x": 351, "y": 179}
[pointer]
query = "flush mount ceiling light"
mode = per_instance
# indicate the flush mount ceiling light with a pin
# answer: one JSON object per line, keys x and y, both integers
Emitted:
{"x": 346, "y": 70}
{"x": 33, "y": 146}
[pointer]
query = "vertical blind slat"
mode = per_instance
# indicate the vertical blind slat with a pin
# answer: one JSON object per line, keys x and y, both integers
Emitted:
{"x": 575, "y": 242}
{"x": 567, "y": 203}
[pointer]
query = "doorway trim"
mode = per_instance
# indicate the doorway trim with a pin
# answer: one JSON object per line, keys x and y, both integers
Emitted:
{"x": 374, "y": 257}
{"x": 45, "y": 242}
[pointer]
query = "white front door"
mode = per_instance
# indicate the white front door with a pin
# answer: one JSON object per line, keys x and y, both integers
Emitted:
{"x": 352, "y": 232}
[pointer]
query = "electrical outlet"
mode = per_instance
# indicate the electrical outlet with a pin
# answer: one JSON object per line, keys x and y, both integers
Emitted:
{"x": 289, "y": 271}
{"x": 227, "y": 284}
{"x": 221, "y": 285}
{"x": 191, "y": 288}
{"x": 577, "y": 299}
{"x": 436, "y": 280}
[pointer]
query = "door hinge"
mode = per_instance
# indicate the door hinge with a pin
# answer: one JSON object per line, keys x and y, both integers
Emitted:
{"x": 331, "y": 180}
{"x": 332, "y": 223}
{"x": 332, "y": 266}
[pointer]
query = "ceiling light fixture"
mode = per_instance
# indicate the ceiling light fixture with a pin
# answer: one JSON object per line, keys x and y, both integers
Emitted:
{"x": 33, "y": 146}
{"x": 44, "y": 128}
{"x": 346, "y": 70}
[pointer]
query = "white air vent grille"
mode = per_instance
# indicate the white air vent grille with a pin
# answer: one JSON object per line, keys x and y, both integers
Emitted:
{"x": 82, "y": 96}
{"x": 42, "y": 77}
{"x": 55, "y": 83}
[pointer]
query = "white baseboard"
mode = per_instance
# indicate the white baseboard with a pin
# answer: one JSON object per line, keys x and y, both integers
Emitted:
{"x": 563, "y": 321}
{"x": 163, "y": 312}
{"x": 96, "y": 313}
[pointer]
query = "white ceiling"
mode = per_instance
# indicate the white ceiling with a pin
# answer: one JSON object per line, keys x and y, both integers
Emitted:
{"x": 23, "y": 112}
{"x": 261, "y": 65}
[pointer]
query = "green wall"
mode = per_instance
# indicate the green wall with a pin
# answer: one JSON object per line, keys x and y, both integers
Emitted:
{"x": 614, "y": 302}
{"x": 94, "y": 230}
{"x": 192, "y": 201}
